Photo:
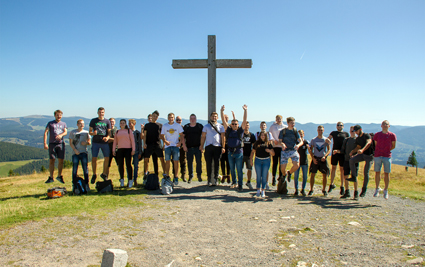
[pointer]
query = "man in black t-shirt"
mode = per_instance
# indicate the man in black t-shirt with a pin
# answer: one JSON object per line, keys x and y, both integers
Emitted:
{"x": 337, "y": 157}
{"x": 192, "y": 134}
{"x": 248, "y": 140}
{"x": 364, "y": 153}
{"x": 152, "y": 143}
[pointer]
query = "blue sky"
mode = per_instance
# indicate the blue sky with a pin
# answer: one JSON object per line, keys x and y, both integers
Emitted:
{"x": 318, "y": 61}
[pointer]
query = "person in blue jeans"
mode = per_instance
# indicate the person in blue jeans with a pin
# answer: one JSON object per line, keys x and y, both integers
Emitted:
{"x": 234, "y": 140}
{"x": 79, "y": 139}
{"x": 263, "y": 150}
{"x": 302, "y": 150}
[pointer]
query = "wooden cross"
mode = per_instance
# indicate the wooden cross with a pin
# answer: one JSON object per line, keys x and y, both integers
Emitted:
{"x": 212, "y": 64}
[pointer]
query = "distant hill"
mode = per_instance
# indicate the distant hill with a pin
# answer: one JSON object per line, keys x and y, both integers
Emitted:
{"x": 15, "y": 152}
{"x": 29, "y": 131}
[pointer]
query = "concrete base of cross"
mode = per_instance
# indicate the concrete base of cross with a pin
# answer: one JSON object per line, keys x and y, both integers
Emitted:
{"x": 114, "y": 258}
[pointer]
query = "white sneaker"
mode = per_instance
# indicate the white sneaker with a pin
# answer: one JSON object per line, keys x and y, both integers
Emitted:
{"x": 386, "y": 194}
{"x": 258, "y": 192}
{"x": 122, "y": 182}
{"x": 263, "y": 193}
{"x": 267, "y": 187}
{"x": 376, "y": 193}
{"x": 130, "y": 184}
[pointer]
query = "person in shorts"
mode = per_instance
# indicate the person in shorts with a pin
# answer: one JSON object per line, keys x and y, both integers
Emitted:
{"x": 385, "y": 141}
{"x": 338, "y": 137}
{"x": 347, "y": 146}
{"x": 100, "y": 129}
{"x": 319, "y": 151}
{"x": 57, "y": 130}
{"x": 170, "y": 135}
{"x": 152, "y": 143}
{"x": 248, "y": 141}
{"x": 290, "y": 141}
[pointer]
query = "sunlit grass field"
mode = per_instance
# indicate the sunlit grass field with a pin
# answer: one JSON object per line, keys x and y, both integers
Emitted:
{"x": 23, "y": 198}
{"x": 11, "y": 165}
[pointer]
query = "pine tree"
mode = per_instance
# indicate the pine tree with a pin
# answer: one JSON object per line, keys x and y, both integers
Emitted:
{"x": 11, "y": 173}
{"x": 412, "y": 161}
{"x": 43, "y": 169}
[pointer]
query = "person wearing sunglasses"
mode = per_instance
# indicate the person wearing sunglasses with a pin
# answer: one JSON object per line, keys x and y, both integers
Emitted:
{"x": 337, "y": 157}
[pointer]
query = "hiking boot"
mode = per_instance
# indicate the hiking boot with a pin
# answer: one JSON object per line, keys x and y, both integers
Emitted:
{"x": 199, "y": 178}
{"x": 49, "y": 180}
{"x": 352, "y": 179}
{"x": 341, "y": 190}
{"x": 122, "y": 182}
{"x": 288, "y": 176}
{"x": 325, "y": 194}
{"x": 183, "y": 179}
{"x": 249, "y": 185}
{"x": 331, "y": 187}
{"x": 240, "y": 188}
{"x": 386, "y": 194}
{"x": 130, "y": 184}
{"x": 176, "y": 181}
{"x": 274, "y": 181}
{"x": 296, "y": 192}
{"x": 93, "y": 179}
{"x": 356, "y": 195}
{"x": 60, "y": 179}
{"x": 346, "y": 194}
{"x": 376, "y": 194}
{"x": 310, "y": 193}
{"x": 190, "y": 180}
{"x": 363, "y": 193}
{"x": 104, "y": 177}
{"x": 303, "y": 193}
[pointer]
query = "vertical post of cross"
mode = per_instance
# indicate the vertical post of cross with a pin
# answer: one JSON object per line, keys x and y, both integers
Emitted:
{"x": 212, "y": 68}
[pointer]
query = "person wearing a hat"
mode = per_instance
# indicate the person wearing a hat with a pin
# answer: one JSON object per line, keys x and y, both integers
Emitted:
{"x": 364, "y": 153}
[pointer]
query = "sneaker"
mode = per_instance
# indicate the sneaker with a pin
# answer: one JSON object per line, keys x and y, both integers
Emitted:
{"x": 209, "y": 184}
{"x": 303, "y": 193}
{"x": 122, "y": 182}
{"x": 176, "y": 181}
{"x": 130, "y": 184}
{"x": 258, "y": 193}
{"x": 267, "y": 187}
{"x": 356, "y": 195}
{"x": 341, "y": 190}
{"x": 289, "y": 177}
{"x": 190, "y": 180}
{"x": 183, "y": 179}
{"x": 386, "y": 194}
{"x": 331, "y": 187}
{"x": 87, "y": 188}
{"x": 233, "y": 186}
{"x": 346, "y": 194}
{"x": 296, "y": 192}
{"x": 49, "y": 180}
{"x": 249, "y": 185}
{"x": 221, "y": 178}
{"x": 352, "y": 179}
{"x": 199, "y": 178}
{"x": 93, "y": 179}
{"x": 228, "y": 179}
{"x": 325, "y": 194}
{"x": 363, "y": 193}
{"x": 263, "y": 193}
{"x": 274, "y": 181}
{"x": 376, "y": 194}
{"x": 60, "y": 179}
{"x": 104, "y": 177}
{"x": 310, "y": 193}
{"x": 240, "y": 188}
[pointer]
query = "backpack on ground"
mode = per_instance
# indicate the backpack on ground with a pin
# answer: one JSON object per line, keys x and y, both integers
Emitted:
{"x": 104, "y": 187}
{"x": 282, "y": 185}
{"x": 80, "y": 186}
{"x": 167, "y": 186}
{"x": 56, "y": 192}
{"x": 152, "y": 182}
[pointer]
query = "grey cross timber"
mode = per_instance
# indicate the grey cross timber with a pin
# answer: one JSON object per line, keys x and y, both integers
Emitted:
{"x": 211, "y": 63}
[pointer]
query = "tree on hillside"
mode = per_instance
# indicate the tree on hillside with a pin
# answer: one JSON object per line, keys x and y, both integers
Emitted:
{"x": 43, "y": 169}
{"x": 412, "y": 161}
{"x": 11, "y": 173}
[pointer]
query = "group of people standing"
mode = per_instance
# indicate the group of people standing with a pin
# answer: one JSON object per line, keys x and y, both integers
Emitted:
{"x": 174, "y": 144}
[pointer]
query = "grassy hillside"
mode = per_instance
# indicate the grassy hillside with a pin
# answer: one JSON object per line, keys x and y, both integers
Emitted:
{"x": 15, "y": 152}
{"x": 11, "y": 165}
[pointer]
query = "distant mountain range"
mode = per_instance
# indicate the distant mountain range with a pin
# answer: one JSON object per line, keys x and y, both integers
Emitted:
{"x": 29, "y": 131}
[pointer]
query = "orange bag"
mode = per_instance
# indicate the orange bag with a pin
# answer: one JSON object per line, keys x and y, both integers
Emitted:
{"x": 56, "y": 192}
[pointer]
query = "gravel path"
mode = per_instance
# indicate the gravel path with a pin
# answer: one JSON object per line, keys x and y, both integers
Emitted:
{"x": 218, "y": 226}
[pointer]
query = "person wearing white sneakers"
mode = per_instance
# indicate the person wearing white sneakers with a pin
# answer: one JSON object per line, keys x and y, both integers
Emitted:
{"x": 385, "y": 141}
{"x": 124, "y": 141}
{"x": 263, "y": 150}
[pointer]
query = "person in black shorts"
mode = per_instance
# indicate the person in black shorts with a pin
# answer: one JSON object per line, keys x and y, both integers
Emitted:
{"x": 152, "y": 143}
{"x": 248, "y": 142}
{"x": 337, "y": 157}
{"x": 347, "y": 146}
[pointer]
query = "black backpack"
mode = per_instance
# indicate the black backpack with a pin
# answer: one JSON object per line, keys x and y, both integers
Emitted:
{"x": 104, "y": 187}
{"x": 152, "y": 182}
{"x": 372, "y": 145}
{"x": 80, "y": 187}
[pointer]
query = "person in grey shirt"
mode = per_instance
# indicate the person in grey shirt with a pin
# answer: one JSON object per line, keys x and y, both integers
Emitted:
{"x": 319, "y": 151}
{"x": 79, "y": 139}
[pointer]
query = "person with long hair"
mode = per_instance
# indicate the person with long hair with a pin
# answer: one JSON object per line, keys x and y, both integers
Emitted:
{"x": 124, "y": 141}
{"x": 263, "y": 150}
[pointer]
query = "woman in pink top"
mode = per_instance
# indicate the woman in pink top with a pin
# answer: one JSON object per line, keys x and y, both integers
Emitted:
{"x": 124, "y": 141}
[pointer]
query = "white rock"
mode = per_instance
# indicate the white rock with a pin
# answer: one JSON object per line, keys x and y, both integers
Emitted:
{"x": 255, "y": 218}
{"x": 292, "y": 245}
{"x": 301, "y": 264}
{"x": 272, "y": 220}
{"x": 314, "y": 265}
{"x": 198, "y": 258}
{"x": 114, "y": 258}
{"x": 282, "y": 252}
{"x": 287, "y": 217}
{"x": 354, "y": 223}
{"x": 292, "y": 217}
{"x": 169, "y": 265}
{"x": 407, "y": 246}
{"x": 415, "y": 261}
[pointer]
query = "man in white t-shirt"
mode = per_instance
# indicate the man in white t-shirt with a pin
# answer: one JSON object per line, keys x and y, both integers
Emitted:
{"x": 170, "y": 134}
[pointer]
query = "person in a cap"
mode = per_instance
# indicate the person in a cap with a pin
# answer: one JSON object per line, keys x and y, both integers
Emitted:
{"x": 364, "y": 153}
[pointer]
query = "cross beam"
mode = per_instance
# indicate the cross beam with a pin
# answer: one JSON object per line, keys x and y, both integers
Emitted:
{"x": 212, "y": 64}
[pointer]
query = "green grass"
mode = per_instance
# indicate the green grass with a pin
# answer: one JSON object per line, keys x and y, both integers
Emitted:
{"x": 8, "y": 165}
